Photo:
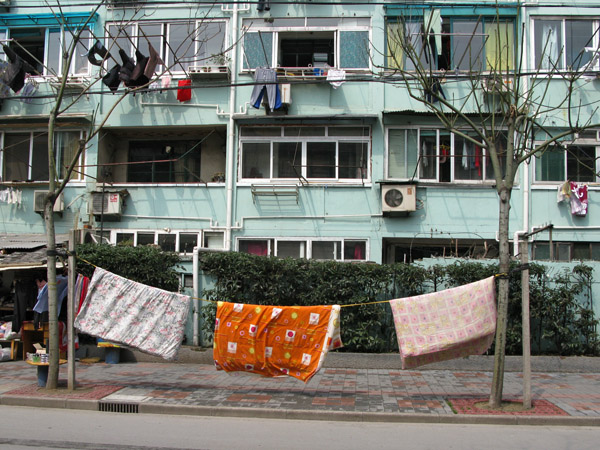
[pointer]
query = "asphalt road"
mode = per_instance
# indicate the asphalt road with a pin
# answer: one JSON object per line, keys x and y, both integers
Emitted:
{"x": 26, "y": 428}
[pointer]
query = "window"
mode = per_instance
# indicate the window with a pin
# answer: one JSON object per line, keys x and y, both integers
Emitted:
{"x": 25, "y": 155}
{"x": 181, "y": 44}
{"x": 170, "y": 155}
{"x": 566, "y": 251}
{"x": 575, "y": 162}
{"x": 335, "y": 250}
{"x": 307, "y": 42}
{"x": 170, "y": 241}
{"x": 437, "y": 41}
{"x": 561, "y": 44}
{"x": 43, "y": 48}
{"x": 398, "y": 250}
{"x": 432, "y": 154}
{"x": 311, "y": 153}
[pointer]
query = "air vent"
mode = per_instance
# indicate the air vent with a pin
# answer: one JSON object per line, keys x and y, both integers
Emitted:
{"x": 398, "y": 198}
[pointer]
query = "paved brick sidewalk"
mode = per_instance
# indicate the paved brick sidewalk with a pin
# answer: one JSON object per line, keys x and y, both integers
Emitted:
{"x": 332, "y": 390}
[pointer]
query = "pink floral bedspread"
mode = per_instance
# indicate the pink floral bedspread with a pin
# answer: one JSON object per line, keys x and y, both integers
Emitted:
{"x": 126, "y": 312}
{"x": 445, "y": 325}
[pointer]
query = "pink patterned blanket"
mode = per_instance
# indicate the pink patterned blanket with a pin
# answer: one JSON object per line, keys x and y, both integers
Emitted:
{"x": 445, "y": 325}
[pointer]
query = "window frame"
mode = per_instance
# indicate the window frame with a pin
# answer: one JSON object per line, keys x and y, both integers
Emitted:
{"x": 200, "y": 235}
{"x": 279, "y": 27}
{"x": 339, "y": 246}
{"x": 164, "y": 48}
{"x": 484, "y": 180}
{"x": 580, "y": 142}
{"x": 563, "y": 67}
{"x": 449, "y": 16}
{"x": 76, "y": 176}
{"x": 304, "y": 143}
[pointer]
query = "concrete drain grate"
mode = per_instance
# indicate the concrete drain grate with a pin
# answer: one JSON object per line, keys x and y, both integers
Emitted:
{"x": 129, "y": 408}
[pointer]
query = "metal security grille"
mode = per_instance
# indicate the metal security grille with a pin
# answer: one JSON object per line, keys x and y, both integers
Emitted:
{"x": 131, "y": 408}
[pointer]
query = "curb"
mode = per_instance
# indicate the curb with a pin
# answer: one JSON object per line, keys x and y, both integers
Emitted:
{"x": 293, "y": 414}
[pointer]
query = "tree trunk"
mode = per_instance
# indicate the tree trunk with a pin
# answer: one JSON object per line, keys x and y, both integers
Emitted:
{"x": 499, "y": 356}
{"x": 52, "y": 349}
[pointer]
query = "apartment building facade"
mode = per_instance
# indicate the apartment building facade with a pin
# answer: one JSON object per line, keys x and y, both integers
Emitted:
{"x": 284, "y": 129}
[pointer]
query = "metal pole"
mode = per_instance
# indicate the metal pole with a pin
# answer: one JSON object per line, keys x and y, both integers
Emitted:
{"x": 71, "y": 311}
{"x": 525, "y": 319}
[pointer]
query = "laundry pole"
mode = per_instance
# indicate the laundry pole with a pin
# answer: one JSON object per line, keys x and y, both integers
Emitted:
{"x": 71, "y": 310}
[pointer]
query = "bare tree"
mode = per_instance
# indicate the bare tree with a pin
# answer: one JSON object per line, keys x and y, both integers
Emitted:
{"x": 485, "y": 95}
{"x": 63, "y": 101}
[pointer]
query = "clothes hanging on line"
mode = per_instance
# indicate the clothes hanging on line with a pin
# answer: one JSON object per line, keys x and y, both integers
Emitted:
{"x": 445, "y": 325}
{"x": 133, "y": 314}
{"x": 274, "y": 341}
{"x": 579, "y": 199}
{"x": 266, "y": 81}
{"x": 336, "y": 77}
{"x": 62, "y": 289}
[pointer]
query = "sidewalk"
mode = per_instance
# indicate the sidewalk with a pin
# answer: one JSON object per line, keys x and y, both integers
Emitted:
{"x": 446, "y": 395}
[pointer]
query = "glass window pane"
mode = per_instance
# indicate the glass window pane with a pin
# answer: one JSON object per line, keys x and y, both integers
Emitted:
{"x": 395, "y": 54}
{"x": 53, "y": 60}
{"x": 353, "y": 160}
{"x": 402, "y": 153}
{"x": 123, "y": 238}
{"x": 467, "y": 159}
{"x": 79, "y": 65}
{"x": 541, "y": 251}
{"x": 291, "y": 249}
{"x": 187, "y": 242}
{"x": 563, "y": 252}
{"x": 550, "y": 165}
{"x": 120, "y": 37}
{"x": 578, "y": 35}
{"x": 348, "y": 131}
{"x": 167, "y": 242}
{"x": 548, "y": 44}
{"x": 320, "y": 159}
{"x": 581, "y": 250}
{"x": 356, "y": 250}
{"x": 151, "y": 34}
{"x": 287, "y": 159}
{"x": 581, "y": 163}
{"x": 256, "y": 160}
{"x": 499, "y": 47}
{"x": 467, "y": 45}
{"x": 444, "y": 156}
{"x": 39, "y": 161}
{"x": 145, "y": 238}
{"x": 260, "y": 131}
{"x": 16, "y": 156}
{"x": 428, "y": 150}
{"x": 255, "y": 247}
{"x": 303, "y": 131}
{"x": 67, "y": 143}
{"x": 354, "y": 49}
{"x": 211, "y": 38}
{"x": 214, "y": 239}
{"x": 258, "y": 50}
{"x": 326, "y": 250}
{"x": 181, "y": 44}
{"x": 595, "y": 251}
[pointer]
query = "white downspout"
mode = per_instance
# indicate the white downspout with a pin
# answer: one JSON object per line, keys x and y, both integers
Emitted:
{"x": 526, "y": 187}
{"x": 196, "y": 301}
{"x": 230, "y": 130}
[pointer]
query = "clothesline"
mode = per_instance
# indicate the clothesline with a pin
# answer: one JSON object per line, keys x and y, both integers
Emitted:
{"x": 497, "y": 275}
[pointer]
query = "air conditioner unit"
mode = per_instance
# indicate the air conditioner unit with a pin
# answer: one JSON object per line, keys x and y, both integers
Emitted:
{"x": 39, "y": 198}
{"x": 398, "y": 198}
{"x": 111, "y": 206}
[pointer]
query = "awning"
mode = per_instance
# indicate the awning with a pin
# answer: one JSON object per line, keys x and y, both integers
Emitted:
{"x": 27, "y": 241}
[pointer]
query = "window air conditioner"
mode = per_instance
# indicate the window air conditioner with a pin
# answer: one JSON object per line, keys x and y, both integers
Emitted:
{"x": 398, "y": 198}
{"x": 112, "y": 205}
{"x": 39, "y": 198}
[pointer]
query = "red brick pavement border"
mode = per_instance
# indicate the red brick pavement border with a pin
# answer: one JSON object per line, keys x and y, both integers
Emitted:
{"x": 539, "y": 408}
